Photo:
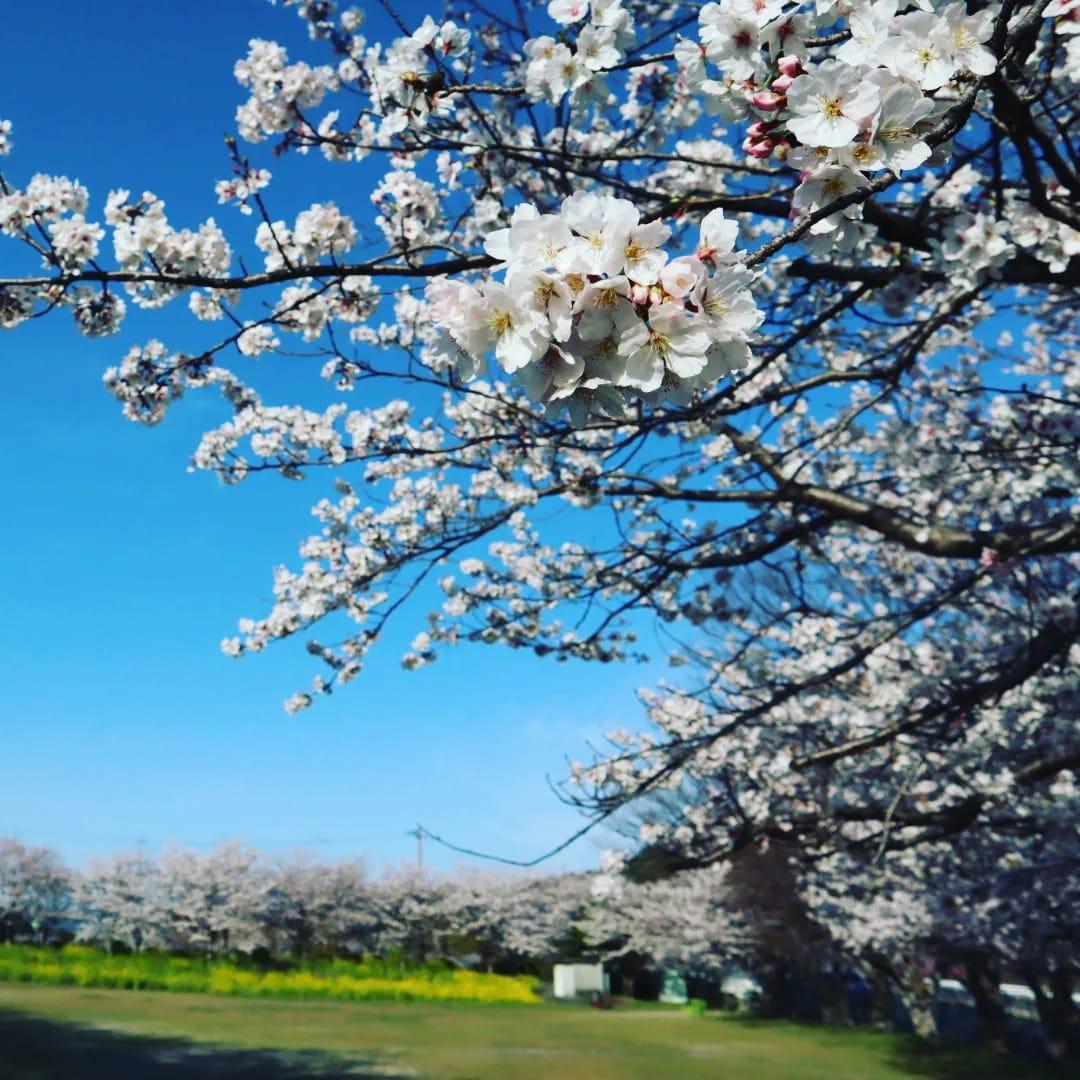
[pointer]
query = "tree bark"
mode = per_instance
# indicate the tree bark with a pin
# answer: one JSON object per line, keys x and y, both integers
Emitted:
{"x": 981, "y": 979}
{"x": 1058, "y": 1014}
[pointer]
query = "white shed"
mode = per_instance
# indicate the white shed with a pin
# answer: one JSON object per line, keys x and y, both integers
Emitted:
{"x": 574, "y": 979}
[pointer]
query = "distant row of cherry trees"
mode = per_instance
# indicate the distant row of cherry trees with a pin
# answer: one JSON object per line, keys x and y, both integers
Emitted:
{"x": 755, "y": 913}
{"x": 232, "y": 899}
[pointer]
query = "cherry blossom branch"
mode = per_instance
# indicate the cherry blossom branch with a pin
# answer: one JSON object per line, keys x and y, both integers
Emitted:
{"x": 375, "y": 268}
{"x": 1048, "y": 644}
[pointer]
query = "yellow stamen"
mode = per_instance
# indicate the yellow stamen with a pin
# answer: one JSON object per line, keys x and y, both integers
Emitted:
{"x": 893, "y": 134}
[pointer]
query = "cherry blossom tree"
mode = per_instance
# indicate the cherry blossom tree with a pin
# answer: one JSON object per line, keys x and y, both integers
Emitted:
{"x": 977, "y": 911}
{"x": 35, "y": 887}
{"x": 212, "y": 899}
{"x": 519, "y": 922}
{"x": 686, "y": 921}
{"x": 776, "y": 296}
{"x": 309, "y": 906}
{"x": 121, "y": 899}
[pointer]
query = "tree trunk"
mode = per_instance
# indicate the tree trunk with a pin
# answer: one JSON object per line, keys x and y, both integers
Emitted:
{"x": 982, "y": 980}
{"x": 831, "y": 993}
{"x": 881, "y": 986}
{"x": 776, "y": 1002}
{"x": 920, "y": 1006}
{"x": 917, "y": 992}
{"x": 1057, "y": 1013}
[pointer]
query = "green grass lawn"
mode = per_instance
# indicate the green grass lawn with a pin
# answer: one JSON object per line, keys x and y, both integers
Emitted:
{"x": 49, "y": 1032}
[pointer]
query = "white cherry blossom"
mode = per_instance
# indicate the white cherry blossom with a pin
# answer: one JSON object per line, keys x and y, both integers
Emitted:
{"x": 831, "y": 106}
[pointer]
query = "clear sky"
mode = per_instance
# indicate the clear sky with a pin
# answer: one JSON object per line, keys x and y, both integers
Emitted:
{"x": 121, "y": 723}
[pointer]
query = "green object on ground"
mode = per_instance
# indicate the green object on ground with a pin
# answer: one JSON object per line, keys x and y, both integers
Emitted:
{"x": 66, "y": 1032}
{"x": 673, "y": 992}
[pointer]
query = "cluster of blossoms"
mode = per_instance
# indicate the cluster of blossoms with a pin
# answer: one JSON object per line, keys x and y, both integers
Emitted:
{"x": 98, "y": 313}
{"x": 16, "y": 304}
{"x": 406, "y": 79}
{"x": 406, "y": 82}
{"x": 320, "y": 17}
{"x": 278, "y": 90}
{"x": 407, "y": 209}
{"x": 973, "y": 242}
{"x": 976, "y": 239}
{"x": 592, "y": 312}
{"x": 303, "y": 309}
{"x": 75, "y": 240}
{"x": 319, "y": 231}
{"x": 242, "y": 186}
{"x": 57, "y": 204}
{"x": 553, "y": 70}
{"x": 1066, "y": 16}
{"x": 864, "y": 109}
{"x": 143, "y": 237}
{"x": 150, "y": 378}
{"x": 1052, "y": 242}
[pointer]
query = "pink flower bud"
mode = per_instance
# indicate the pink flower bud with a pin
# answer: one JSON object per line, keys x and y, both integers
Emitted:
{"x": 760, "y": 128}
{"x": 762, "y": 148}
{"x": 639, "y": 294}
{"x": 790, "y": 66}
{"x": 781, "y": 84}
{"x": 767, "y": 101}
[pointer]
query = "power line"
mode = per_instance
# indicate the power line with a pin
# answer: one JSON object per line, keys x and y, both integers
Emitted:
{"x": 420, "y": 830}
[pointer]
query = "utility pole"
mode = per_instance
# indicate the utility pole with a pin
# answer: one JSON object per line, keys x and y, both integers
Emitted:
{"x": 418, "y": 832}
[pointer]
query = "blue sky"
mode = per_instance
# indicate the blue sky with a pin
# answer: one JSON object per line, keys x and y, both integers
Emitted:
{"x": 122, "y": 723}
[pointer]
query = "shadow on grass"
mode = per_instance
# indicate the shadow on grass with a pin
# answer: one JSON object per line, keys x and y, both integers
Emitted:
{"x": 35, "y": 1049}
{"x": 927, "y": 1059}
{"x": 940, "y": 1061}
